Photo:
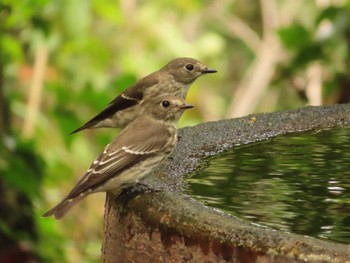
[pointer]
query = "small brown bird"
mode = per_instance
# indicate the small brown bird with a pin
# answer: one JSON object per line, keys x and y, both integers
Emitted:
{"x": 173, "y": 79}
{"x": 137, "y": 151}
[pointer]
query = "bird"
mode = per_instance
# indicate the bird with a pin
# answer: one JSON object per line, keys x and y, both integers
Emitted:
{"x": 139, "y": 148}
{"x": 174, "y": 79}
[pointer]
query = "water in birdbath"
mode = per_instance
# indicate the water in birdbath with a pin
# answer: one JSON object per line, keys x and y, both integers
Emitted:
{"x": 297, "y": 183}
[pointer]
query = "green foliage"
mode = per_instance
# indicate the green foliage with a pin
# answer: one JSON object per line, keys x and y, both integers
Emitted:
{"x": 98, "y": 48}
{"x": 295, "y": 37}
{"x": 22, "y": 168}
{"x": 50, "y": 246}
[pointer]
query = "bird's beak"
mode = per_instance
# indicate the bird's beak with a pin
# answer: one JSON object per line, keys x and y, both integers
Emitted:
{"x": 187, "y": 106}
{"x": 209, "y": 70}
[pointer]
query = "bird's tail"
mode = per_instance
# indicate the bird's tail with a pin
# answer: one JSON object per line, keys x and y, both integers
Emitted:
{"x": 62, "y": 208}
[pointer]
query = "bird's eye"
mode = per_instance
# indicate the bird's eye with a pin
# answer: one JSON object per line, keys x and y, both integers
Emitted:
{"x": 189, "y": 67}
{"x": 165, "y": 103}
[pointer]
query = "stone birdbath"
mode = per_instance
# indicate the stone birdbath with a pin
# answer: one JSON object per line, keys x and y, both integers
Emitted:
{"x": 165, "y": 225}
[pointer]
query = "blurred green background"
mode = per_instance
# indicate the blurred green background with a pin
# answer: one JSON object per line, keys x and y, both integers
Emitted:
{"x": 62, "y": 61}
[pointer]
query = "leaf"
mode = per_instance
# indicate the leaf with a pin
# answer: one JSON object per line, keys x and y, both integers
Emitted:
{"x": 330, "y": 13}
{"x": 294, "y": 37}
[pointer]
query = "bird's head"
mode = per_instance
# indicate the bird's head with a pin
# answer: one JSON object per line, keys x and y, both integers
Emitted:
{"x": 186, "y": 70}
{"x": 166, "y": 108}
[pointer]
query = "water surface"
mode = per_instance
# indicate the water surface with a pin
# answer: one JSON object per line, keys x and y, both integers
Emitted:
{"x": 298, "y": 183}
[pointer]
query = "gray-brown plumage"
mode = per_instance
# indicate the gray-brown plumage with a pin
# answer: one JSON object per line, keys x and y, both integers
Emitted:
{"x": 173, "y": 79}
{"x": 138, "y": 149}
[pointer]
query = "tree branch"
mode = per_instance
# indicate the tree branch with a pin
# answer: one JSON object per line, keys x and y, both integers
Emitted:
{"x": 35, "y": 91}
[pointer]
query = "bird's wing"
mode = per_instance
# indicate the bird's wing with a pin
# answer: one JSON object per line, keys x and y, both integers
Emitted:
{"x": 135, "y": 92}
{"x": 130, "y": 97}
{"x": 123, "y": 153}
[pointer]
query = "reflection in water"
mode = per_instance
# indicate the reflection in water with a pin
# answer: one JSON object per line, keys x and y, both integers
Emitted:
{"x": 298, "y": 183}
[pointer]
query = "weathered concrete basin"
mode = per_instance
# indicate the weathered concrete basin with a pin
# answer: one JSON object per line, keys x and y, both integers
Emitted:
{"x": 167, "y": 226}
